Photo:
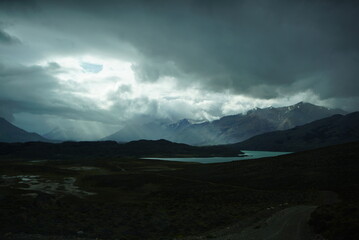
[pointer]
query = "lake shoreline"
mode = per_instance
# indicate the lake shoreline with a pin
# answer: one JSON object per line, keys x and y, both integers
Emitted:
{"x": 245, "y": 155}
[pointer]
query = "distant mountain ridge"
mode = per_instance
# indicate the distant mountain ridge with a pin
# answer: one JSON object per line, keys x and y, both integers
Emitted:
{"x": 73, "y": 133}
{"x": 11, "y": 133}
{"x": 228, "y": 129}
{"x": 59, "y": 134}
{"x": 109, "y": 149}
{"x": 333, "y": 130}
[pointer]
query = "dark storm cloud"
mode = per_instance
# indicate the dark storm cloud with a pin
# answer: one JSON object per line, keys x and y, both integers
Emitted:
{"x": 264, "y": 49}
{"x": 258, "y": 48}
{"x": 6, "y": 38}
{"x": 228, "y": 44}
{"x": 34, "y": 90}
{"x": 18, "y": 5}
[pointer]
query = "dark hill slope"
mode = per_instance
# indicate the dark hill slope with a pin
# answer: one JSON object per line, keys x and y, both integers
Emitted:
{"x": 142, "y": 148}
{"x": 11, "y": 133}
{"x": 257, "y": 121}
{"x": 333, "y": 130}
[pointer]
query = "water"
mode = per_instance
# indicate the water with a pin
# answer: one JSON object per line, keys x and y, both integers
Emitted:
{"x": 246, "y": 156}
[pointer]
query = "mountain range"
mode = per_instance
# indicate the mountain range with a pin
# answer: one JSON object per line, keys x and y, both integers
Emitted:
{"x": 333, "y": 130}
{"x": 11, "y": 133}
{"x": 228, "y": 129}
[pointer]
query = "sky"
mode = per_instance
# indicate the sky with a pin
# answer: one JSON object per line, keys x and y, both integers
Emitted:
{"x": 95, "y": 66}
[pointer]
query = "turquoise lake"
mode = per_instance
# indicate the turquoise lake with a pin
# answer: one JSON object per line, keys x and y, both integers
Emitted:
{"x": 246, "y": 156}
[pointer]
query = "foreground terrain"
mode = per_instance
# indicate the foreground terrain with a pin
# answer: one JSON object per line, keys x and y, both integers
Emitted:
{"x": 129, "y": 198}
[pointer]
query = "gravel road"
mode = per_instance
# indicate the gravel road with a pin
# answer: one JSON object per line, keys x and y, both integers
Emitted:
{"x": 287, "y": 224}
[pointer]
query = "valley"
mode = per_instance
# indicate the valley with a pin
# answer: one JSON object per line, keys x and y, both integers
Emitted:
{"x": 158, "y": 189}
{"x": 179, "y": 120}
{"x": 130, "y": 198}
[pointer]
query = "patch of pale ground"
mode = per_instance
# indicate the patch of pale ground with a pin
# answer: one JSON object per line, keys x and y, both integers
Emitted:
{"x": 36, "y": 183}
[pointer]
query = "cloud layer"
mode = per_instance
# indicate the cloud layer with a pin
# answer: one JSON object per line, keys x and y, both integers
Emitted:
{"x": 112, "y": 61}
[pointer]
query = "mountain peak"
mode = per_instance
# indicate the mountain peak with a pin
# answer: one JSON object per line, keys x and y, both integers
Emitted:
{"x": 301, "y": 104}
{"x": 184, "y": 121}
{"x": 11, "y": 133}
{"x": 180, "y": 124}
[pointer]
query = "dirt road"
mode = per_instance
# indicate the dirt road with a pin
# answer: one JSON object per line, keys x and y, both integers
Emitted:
{"x": 288, "y": 224}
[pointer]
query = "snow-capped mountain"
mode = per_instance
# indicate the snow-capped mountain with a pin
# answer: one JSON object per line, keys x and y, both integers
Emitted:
{"x": 228, "y": 129}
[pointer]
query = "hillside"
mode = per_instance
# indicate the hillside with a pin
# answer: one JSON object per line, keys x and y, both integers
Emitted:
{"x": 333, "y": 130}
{"x": 333, "y": 171}
{"x": 142, "y": 148}
{"x": 11, "y": 133}
{"x": 109, "y": 198}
